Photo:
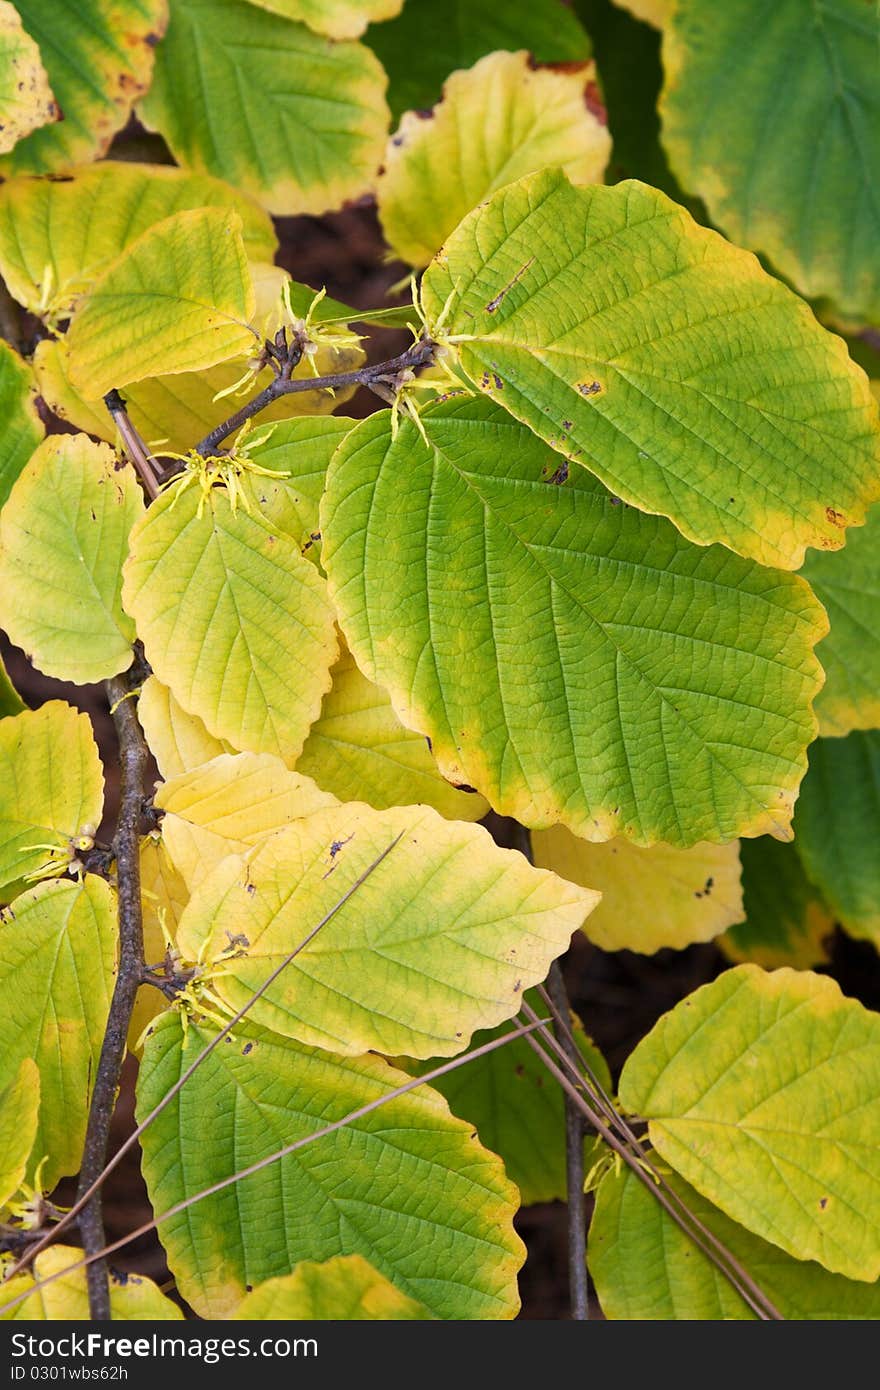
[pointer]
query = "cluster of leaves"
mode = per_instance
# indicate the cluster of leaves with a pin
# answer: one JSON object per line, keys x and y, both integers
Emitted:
{"x": 588, "y": 570}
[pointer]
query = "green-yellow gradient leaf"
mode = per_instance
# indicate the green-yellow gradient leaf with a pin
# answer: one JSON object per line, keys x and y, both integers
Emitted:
{"x": 338, "y": 19}
{"x": 763, "y": 1092}
{"x": 297, "y": 121}
{"x": 799, "y": 180}
{"x": 98, "y": 56}
{"x": 646, "y": 1269}
{"x": 178, "y": 741}
{"x": 51, "y": 787}
{"x": 57, "y": 961}
{"x": 518, "y": 1108}
{"x": 785, "y": 921}
{"x": 10, "y": 700}
{"x": 233, "y": 619}
{"x": 654, "y": 12}
{"x": 407, "y": 1185}
{"x": 63, "y": 537}
{"x": 58, "y": 235}
{"x": 359, "y": 750}
{"x": 22, "y": 427}
{"x": 133, "y": 1297}
{"x": 675, "y": 682}
{"x": 651, "y": 898}
{"x": 440, "y": 939}
{"x": 26, "y": 100}
{"x": 838, "y": 829}
{"x": 437, "y": 169}
{"x": 848, "y": 584}
{"x": 432, "y": 38}
{"x": 177, "y": 299}
{"x": 663, "y": 359}
{"x": 19, "y": 1117}
{"x": 346, "y": 1288}
{"x": 164, "y": 895}
{"x": 228, "y": 806}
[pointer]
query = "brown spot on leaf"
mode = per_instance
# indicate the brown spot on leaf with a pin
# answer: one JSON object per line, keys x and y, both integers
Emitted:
{"x": 590, "y": 388}
{"x": 494, "y": 303}
{"x": 835, "y": 518}
{"x": 823, "y": 1202}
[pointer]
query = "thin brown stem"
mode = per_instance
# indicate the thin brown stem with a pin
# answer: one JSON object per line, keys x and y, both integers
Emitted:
{"x": 145, "y": 465}
{"x": 126, "y": 844}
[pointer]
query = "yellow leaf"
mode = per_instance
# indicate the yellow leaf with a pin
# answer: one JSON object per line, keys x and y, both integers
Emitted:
{"x": 178, "y": 741}
{"x": 651, "y": 898}
{"x": 345, "y": 1288}
{"x": 177, "y": 300}
{"x": 133, "y": 1297}
{"x": 339, "y": 19}
{"x": 163, "y": 892}
{"x": 498, "y": 121}
{"x": 19, "y": 1115}
{"x": 26, "y": 100}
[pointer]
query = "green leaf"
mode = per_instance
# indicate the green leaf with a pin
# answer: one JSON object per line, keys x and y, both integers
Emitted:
{"x": 676, "y": 682}
{"x": 651, "y": 898}
{"x": 359, "y": 750}
{"x": 133, "y": 1297}
{"x": 346, "y": 1288}
{"x": 517, "y": 1107}
{"x": 247, "y": 640}
{"x": 26, "y": 100}
{"x": 20, "y": 1113}
{"x": 339, "y": 19}
{"x": 296, "y": 121}
{"x": 431, "y": 38}
{"x": 228, "y": 806}
{"x": 22, "y": 427}
{"x": 435, "y": 171}
{"x": 406, "y": 1185}
{"x": 63, "y": 534}
{"x": 98, "y": 56}
{"x": 838, "y": 828}
{"x": 809, "y": 201}
{"x": 785, "y": 920}
{"x": 646, "y": 1269}
{"x": 51, "y": 788}
{"x": 58, "y": 235}
{"x": 57, "y": 961}
{"x": 763, "y": 1091}
{"x": 664, "y": 360}
{"x": 848, "y": 584}
{"x": 441, "y": 938}
{"x": 10, "y": 700}
{"x": 177, "y": 299}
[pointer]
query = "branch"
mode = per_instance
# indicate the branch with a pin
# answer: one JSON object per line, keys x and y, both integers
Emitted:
{"x": 420, "y": 355}
{"x": 133, "y": 760}
{"x": 145, "y": 464}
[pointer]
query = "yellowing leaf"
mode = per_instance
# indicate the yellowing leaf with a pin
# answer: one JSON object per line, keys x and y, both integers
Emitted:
{"x": 19, "y": 1116}
{"x": 57, "y": 960}
{"x": 441, "y": 939}
{"x": 663, "y": 359}
{"x": 359, "y": 750}
{"x": 498, "y": 121}
{"x": 229, "y": 805}
{"x": 346, "y": 1288}
{"x": 178, "y": 741}
{"x": 340, "y": 19}
{"x": 838, "y": 828}
{"x": 646, "y": 1268}
{"x": 233, "y": 619}
{"x": 656, "y": 12}
{"x": 675, "y": 682}
{"x": 406, "y": 1185}
{"x": 177, "y": 299}
{"x": 98, "y": 56}
{"x": 763, "y": 1091}
{"x": 785, "y": 920}
{"x": 296, "y": 121}
{"x": 22, "y": 427}
{"x": 133, "y": 1297}
{"x": 26, "y": 100}
{"x": 799, "y": 178}
{"x": 63, "y": 534}
{"x": 51, "y": 787}
{"x": 164, "y": 894}
{"x": 58, "y": 235}
{"x": 848, "y": 584}
{"x": 10, "y": 700}
{"x": 651, "y": 898}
